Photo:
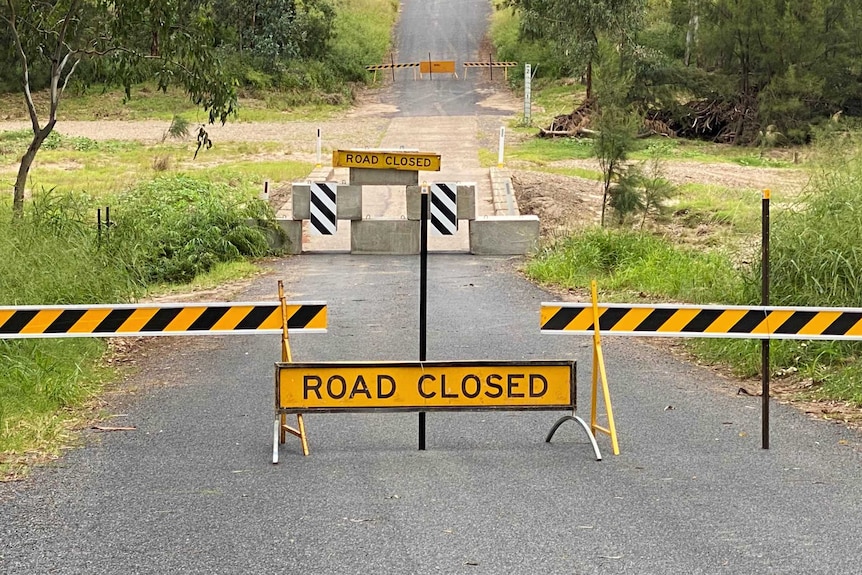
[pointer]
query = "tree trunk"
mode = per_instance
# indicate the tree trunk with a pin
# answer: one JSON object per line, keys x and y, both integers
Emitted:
{"x": 24, "y": 169}
{"x": 691, "y": 35}
{"x": 589, "y": 80}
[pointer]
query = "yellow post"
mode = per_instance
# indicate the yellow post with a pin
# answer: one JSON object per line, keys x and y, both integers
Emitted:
{"x": 599, "y": 372}
{"x": 288, "y": 358}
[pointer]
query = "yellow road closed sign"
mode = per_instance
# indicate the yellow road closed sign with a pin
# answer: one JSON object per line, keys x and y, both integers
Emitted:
{"x": 425, "y": 386}
{"x": 377, "y": 160}
{"x": 437, "y": 67}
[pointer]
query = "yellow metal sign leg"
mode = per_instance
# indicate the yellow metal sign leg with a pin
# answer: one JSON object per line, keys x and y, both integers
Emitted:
{"x": 599, "y": 372}
{"x": 302, "y": 437}
{"x": 281, "y": 419}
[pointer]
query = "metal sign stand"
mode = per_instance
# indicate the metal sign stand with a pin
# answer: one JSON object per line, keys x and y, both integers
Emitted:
{"x": 598, "y": 369}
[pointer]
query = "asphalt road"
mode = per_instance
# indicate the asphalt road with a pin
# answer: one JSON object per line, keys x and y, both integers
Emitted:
{"x": 192, "y": 489}
{"x": 439, "y": 30}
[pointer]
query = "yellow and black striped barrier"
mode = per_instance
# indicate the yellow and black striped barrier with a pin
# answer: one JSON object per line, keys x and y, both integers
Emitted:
{"x": 738, "y": 322}
{"x": 491, "y": 65}
{"x": 393, "y": 66}
{"x": 376, "y": 67}
{"x": 17, "y": 322}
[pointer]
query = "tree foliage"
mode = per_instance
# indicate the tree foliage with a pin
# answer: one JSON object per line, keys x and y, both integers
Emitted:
{"x": 574, "y": 26}
{"x": 272, "y": 31}
{"x": 130, "y": 41}
{"x": 742, "y": 68}
{"x": 616, "y": 124}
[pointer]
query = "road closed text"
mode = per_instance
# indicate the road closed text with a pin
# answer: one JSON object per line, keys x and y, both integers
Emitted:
{"x": 444, "y": 385}
{"x": 386, "y": 160}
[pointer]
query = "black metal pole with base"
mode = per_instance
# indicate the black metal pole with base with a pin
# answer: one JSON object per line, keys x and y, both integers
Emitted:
{"x": 423, "y": 296}
{"x": 764, "y": 301}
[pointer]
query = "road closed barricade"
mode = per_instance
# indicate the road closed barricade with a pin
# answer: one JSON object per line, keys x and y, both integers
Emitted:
{"x": 765, "y": 323}
{"x": 424, "y": 386}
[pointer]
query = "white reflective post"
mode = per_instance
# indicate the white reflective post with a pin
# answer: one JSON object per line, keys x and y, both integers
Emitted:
{"x": 502, "y": 142}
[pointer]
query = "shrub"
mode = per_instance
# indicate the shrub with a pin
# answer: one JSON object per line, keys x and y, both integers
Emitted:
{"x": 175, "y": 227}
{"x": 623, "y": 260}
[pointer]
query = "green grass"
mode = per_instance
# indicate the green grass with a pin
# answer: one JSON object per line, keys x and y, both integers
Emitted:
{"x": 104, "y": 168}
{"x": 703, "y": 204}
{"x": 148, "y": 103}
{"x": 221, "y": 274}
{"x": 706, "y": 152}
{"x": 542, "y": 151}
{"x": 629, "y": 264}
{"x": 174, "y": 233}
{"x": 43, "y": 385}
{"x": 584, "y": 173}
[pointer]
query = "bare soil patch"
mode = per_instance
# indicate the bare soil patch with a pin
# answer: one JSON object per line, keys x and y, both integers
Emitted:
{"x": 726, "y": 175}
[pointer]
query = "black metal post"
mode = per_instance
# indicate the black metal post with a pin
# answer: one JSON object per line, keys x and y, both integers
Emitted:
{"x": 423, "y": 296}
{"x": 99, "y": 225}
{"x": 430, "y": 66}
{"x": 392, "y": 64}
{"x": 764, "y": 301}
{"x": 491, "y": 65}
{"x": 107, "y": 218}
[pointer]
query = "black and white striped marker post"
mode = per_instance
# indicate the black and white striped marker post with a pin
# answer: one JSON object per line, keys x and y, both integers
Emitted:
{"x": 444, "y": 209}
{"x": 322, "y": 208}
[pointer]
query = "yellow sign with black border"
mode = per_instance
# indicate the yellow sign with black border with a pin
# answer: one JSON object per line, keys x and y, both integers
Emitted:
{"x": 379, "y": 160}
{"x": 425, "y": 386}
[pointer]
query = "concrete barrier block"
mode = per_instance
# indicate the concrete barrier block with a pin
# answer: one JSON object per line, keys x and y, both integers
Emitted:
{"x": 504, "y": 235}
{"x": 286, "y": 237}
{"x": 290, "y": 236}
{"x": 503, "y": 193}
{"x": 349, "y": 203}
{"x": 370, "y": 177}
{"x": 384, "y": 237}
{"x": 301, "y": 199}
{"x": 414, "y": 202}
{"x": 466, "y": 201}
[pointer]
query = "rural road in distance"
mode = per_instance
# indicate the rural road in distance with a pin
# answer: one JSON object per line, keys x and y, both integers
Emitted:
{"x": 192, "y": 489}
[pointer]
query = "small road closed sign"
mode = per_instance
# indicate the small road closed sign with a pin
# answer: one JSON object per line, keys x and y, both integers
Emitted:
{"x": 425, "y": 386}
{"x": 381, "y": 160}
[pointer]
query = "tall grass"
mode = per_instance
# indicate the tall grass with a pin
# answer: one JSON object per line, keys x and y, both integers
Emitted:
{"x": 816, "y": 255}
{"x": 362, "y": 36}
{"x": 169, "y": 230}
{"x": 624, "y": 261}
{"x": 816, "y": 260}
{"x": 173, "y": 228}
{"x": 50, "y": 257}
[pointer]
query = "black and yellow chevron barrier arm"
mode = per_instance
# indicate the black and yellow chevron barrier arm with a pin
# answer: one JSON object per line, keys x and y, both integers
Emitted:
{"x": 18, "y": 322}
{"x": 739, "y": 322}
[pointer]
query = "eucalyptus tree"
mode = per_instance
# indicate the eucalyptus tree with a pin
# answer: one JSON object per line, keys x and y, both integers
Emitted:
{"x": 574, "y": 26}
{"x": 169, "y": 41}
